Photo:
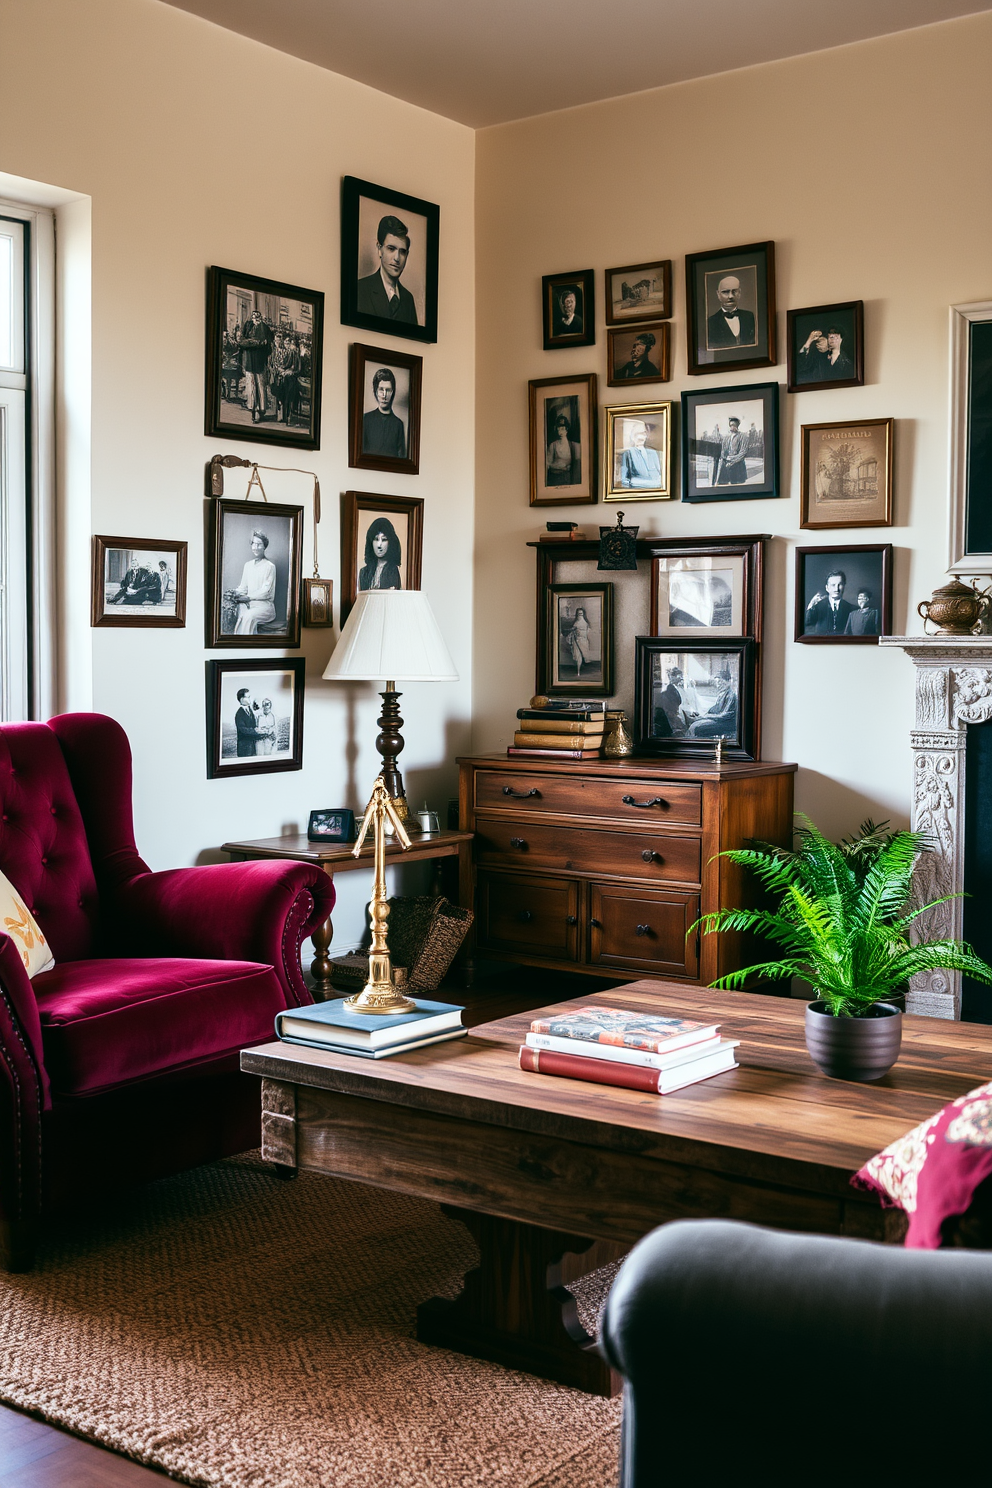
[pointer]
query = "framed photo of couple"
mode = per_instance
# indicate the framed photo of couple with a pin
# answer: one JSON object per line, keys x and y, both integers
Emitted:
{"x": 690, "y": 693}
{"x": 826, "y": 347}
{"x": 254, "y": 716}
{"x": 138, "y": 581}
{"x": 844, "y": 594}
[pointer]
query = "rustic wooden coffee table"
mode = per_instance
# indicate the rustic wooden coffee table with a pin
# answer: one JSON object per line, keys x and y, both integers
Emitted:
{"x": 554, "y": 1177}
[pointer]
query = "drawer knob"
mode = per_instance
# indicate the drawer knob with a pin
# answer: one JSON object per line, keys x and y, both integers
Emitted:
{"x": 654, "y": 801}
{"x": 642, "y": 929}
{"x": 595, "y": 925}
{"x": 517, "y": 842}
{"x": 571, "y": 919}
{"x": 519, "y": 795}
{"x": 524, "y": 916}
{"x": 650, "y": 856}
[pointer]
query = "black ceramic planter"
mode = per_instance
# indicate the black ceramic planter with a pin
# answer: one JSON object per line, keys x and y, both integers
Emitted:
{"x": 863, "y": 1048}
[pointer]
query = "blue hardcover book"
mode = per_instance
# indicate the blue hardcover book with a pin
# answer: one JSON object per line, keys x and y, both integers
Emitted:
{"x": 332, "y": 1023}
{"x": 418, "y": 1043}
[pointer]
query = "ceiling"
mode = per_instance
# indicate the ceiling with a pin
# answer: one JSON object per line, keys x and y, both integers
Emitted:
{"x": 488, "y": 61}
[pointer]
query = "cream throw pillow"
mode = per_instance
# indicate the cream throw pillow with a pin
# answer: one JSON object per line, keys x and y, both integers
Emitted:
{"x": 17, "y": 921}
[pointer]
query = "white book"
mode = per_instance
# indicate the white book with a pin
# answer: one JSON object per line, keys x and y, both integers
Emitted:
{"x": 698, "y": 1069}
{"x": 586, "y": 1050}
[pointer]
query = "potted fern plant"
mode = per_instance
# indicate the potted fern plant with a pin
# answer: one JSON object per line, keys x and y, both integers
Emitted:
{"x": 843, "y": 922}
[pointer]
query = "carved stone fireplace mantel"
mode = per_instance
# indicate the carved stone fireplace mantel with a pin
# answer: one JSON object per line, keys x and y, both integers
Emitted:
{"x": 953, "y": 690}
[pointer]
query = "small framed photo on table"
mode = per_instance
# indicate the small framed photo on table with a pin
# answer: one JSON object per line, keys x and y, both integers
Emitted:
{"x": 331, "y": 826}
{"x": 639, "y": 354}
{"x": 639, "y": 452}
{"x": 844, "y": 594}
{"x": 730, "y": 443}
{"x": 826, "y": 347}
{"x": 254, "y": 716}
{"x": 384, "y": 410}
{"x": 730, "y": 308}
{"x": 639, "y": 292}
{"x": 389, "y": 259}
{"x": 138, "y": 581}
{"x": 381, "y": 544}
{"x": 254, "y": 560}
{"x": 846, "y": 476}
{"x": 690, "y": 693}
{"x": 569, "y": 309}
{"x": 575, "y": 641}
{"x": 563, "y": 416}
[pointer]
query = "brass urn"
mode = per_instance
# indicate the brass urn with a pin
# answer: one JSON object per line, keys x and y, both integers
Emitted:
{"x": 955, "y": 609}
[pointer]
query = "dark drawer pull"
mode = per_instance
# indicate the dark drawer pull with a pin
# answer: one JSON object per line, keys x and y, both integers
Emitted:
{"x": 517, "y": 842}
{"x": 571, "y": 919}
{"x": 520, "y": 795}
{"x": 595, "y": 925}
{"x": 654, "y": 801}
{"x": 642, "y": 929}
{"x": 650, "y": 856}
{"x": 525, "y": 915}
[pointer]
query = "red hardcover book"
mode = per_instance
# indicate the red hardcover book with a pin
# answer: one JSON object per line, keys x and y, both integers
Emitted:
{"x": 599, "y": 1071}
{"x": 518, "y": 752}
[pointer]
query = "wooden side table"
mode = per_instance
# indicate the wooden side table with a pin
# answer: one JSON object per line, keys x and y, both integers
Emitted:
{"x": 336, "y": 857}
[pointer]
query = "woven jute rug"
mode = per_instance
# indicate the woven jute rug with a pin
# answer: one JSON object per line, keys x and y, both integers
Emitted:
{"x": 239, "y": 1331}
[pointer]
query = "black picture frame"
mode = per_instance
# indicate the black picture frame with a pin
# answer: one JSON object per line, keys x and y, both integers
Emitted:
{"x": 293, "y": 420}
{"x": 331, "y": 824}
{"x": 573, "y": 402}
{"x": 552, "y": 668}
{"x": 658, "y": 723}
{"x": 364, "y": 302}
{"x": 709, "y": 340}
{"x": 581, "y": 284}
{"x": 867, "y": 567}
{"x": 846, "y": 323}
{"x": 223, "y": 681}
{"x": 739, "y": 560}
{"x": 369, "y": 448}
{"x": 704, "y": 463}
{"x": 235, "y": 522}
{"x": 401, "y": 520}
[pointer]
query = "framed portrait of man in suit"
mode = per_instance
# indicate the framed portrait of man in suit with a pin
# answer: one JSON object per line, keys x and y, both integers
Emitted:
{"x": 730, "y": 304}
{"x": 389, "y": 257}
{"x": 844, "y": 594}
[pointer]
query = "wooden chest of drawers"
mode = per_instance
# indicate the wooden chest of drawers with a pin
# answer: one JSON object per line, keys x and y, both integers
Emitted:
{"x": 603, "y": 867}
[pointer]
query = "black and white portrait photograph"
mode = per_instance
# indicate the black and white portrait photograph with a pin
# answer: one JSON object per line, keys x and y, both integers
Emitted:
{"x": 138, "y": 581}
{"x": 253, "y": 574}
{"x": 692, "y": 694}
{"x": 264, "y": 360}
{"x": 639, "y": 452}
{"x": 254, "y": 716}
{"x": 844, "y": 595}
{"x": 826, "y": 347}
{"x": 569, "y": 309}
{"x": 730, "y": 303}
{"x": 384, "y": 406}
{"x": 730, "y": 443}
{"x": 697, "y": 594}
{"x": 381, "y": 539}
{"x": 563, "y": 440}
{"x": 575, "y": 643}
{"x": 639, "y": 292}
{"x": 639, "y": 354}
{"x": 389, "y": 261}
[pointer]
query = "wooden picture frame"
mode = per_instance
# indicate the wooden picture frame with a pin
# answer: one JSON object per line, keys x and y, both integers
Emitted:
{"x": 629, "y": 366}
{"x": 401, "y": 521}
{"x": 970, "y": 443}
{"x": 638, "y": 452}
{"x": 825, "y": 347}
{"x": 712, "y": 342}
{"x": 563, "y": 469}
{"x": 689, "y": 693}
{"x": 279, "y": 681}
{"x": 239, "y": 610}
{"x": 866, "y": 569}
{"x": 847, "y": 473}
{"x": 384, "y": 432}
{"x": 566, "y": 324}
{"x": 318, "y": 603}
{"x": 145, "y": 601}
{"x": 566, "y": 643}
{"x": 713, "y": 470}
{"x": 638, "y": 292}
{"x": 249, "y": 394}
{"x": 737, "y": 566}
{"x": 366, "y": 211}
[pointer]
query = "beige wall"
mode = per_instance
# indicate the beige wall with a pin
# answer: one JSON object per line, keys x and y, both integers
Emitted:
{"x": 199, "y": 147}
{"x": 868, "y": 167}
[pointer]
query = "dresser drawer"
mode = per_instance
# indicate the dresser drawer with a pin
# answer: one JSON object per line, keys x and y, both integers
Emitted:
{"x": 642, "y": 930}
{"x": 645, "y": 802}
{"x": 644, "y": 855}
{"x": 531, "y": 915}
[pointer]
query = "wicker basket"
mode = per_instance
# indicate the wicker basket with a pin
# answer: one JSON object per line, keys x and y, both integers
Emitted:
{"x": 425, "y": 933}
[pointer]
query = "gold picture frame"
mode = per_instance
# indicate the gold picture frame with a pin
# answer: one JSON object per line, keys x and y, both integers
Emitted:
{"x": 638, "y": 452}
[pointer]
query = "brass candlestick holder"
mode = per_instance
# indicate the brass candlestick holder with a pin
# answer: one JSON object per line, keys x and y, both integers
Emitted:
{"x": 380, "y": 994}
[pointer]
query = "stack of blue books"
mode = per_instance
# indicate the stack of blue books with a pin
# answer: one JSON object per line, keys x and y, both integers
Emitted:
{"x": 330, "y": 1025}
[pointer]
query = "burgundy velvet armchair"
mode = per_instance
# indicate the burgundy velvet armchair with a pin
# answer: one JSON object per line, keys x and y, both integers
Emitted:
{"x": 121, "y": 1063}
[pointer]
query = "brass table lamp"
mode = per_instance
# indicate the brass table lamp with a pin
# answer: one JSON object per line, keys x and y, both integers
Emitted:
{"x": 379, "y": 995}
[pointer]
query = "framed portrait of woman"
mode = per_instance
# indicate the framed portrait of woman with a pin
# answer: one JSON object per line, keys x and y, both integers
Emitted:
{"x": 384, "y": 410}
{"x": 254, "y": 558}
{"x": 381, "y": 544}
{"x": 575, "y": 641}
{"x": 563, "y": 414}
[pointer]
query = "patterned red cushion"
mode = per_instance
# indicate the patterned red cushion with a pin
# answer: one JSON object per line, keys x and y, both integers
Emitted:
{"x": 934, "y": 1173}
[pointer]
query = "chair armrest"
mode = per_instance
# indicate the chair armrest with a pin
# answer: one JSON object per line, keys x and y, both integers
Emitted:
{"x": 805, "y": 1351}
{"x": 24, "y": 1095}
{"x": 261, "y": 910}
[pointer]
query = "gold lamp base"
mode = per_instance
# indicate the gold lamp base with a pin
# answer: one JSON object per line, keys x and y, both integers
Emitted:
{"x": 380, "y": 994}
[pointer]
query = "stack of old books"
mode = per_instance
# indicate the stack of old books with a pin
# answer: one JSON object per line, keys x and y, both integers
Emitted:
{"x": 331, "y": 1025}
{"x": 568, "y": 730}
{"x": 641, "y": 1051}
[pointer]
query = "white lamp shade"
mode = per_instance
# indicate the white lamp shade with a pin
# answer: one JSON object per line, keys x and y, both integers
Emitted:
{"x": 391, "y": 635}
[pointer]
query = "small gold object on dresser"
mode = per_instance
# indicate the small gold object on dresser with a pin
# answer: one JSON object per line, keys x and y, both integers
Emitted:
{"x": 618, "y": 742}
{"x": 955, "y": 609}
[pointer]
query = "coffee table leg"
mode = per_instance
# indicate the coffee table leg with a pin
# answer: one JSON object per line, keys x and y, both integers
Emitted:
{"x": 515, "y": 1309}
{"x": 320, "y": 966}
